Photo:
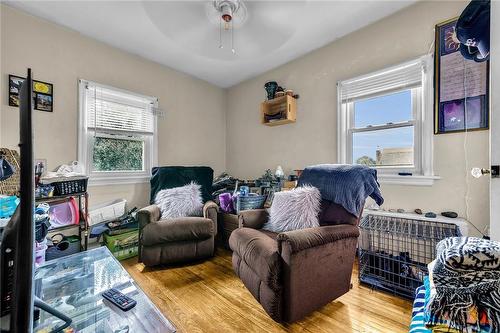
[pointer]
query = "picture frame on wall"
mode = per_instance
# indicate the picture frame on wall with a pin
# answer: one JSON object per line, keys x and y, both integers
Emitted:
{"x": 43, "y": 93}
{"x": 14, "y": 86}
{"x": 43, "y": 102}
{"x": 461, "y": 97}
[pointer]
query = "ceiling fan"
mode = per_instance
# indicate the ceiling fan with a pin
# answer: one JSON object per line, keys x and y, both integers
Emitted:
{"x": 251, "y": 28}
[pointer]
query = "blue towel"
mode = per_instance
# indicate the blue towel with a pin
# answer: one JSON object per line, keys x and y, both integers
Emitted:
{"x": 417, "y": 324}
{"x": 345, "y": 185}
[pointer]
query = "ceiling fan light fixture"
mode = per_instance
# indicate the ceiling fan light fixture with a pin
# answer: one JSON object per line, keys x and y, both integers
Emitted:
{"x": 226, "y": 6}
{"x": 227, "y": 13}
{"x": 227, "y": 10}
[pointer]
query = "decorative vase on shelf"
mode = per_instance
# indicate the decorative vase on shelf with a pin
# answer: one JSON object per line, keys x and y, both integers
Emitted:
{"x": 271, "y": 87}
{"x": 279, "y": 172}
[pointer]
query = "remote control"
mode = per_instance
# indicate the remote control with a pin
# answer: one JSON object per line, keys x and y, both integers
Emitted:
{"x": 120, "y": 300}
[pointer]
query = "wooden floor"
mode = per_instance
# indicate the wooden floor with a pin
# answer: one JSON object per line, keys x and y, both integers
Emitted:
{"x": 208, "y": 297}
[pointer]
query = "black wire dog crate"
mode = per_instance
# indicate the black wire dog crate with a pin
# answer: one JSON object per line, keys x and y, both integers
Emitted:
{"x": 393, "y": 252}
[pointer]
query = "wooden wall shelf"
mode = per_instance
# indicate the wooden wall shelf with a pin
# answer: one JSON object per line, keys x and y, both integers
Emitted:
{"x": 285, "y": 107}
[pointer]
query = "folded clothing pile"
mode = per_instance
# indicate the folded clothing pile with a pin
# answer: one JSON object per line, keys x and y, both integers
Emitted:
{"x": 423, "y": 322}
{"x": 65, "y": 171}
{"x": 463, "y": 288}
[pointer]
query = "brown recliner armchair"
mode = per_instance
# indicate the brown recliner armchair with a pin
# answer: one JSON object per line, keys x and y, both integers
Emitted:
{"x": 176, "y": 240}
{"x": 294, "y": 273}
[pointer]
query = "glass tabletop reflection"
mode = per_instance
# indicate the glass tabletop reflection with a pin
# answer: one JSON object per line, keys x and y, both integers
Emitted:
{"x": 73, "y": 285}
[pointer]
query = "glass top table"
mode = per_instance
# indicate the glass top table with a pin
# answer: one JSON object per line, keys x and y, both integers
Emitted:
{"x": 73, "y": 285}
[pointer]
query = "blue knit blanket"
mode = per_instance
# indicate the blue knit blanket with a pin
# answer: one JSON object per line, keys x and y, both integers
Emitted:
{"x": 345, "y": 185}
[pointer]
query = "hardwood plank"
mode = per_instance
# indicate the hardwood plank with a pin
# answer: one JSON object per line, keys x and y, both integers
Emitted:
{"x": 208, "y": 297}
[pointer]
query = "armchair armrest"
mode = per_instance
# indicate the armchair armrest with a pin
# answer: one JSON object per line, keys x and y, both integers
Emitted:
{"x": 210, "y": 210}
{"x": 253, "y": 218}
{"x": 147, "y": 215}
{"x": 298, "y": 240}
{"x": 259, "y": 252}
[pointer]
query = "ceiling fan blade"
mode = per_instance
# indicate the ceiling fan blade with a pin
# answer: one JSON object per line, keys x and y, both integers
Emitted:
{"x": 189, "y": 24}
{"x": 267, "y": 10}
{"x": 176, "y": 17}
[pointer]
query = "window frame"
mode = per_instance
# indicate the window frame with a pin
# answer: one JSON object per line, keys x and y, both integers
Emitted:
{"x": 86, "y": 141}
{"x": 422, "y": 110}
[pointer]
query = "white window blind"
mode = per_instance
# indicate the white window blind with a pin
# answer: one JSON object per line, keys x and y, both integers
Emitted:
{"x": 112, "y": 110}
{"x": 407, "y": 75}
{"x": 117, "y": 135}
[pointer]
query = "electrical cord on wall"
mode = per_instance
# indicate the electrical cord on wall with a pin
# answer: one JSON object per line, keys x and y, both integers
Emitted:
{"x": 466, "y": 154}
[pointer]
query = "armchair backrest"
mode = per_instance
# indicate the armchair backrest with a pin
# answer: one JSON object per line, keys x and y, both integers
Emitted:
{"x": 333, "y": 214}
{"x": 175, "y": 176}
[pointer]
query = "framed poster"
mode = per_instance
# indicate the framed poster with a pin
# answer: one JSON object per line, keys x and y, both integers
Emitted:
{"x": 461, "y": 86}
{"x": 42, "y": 93}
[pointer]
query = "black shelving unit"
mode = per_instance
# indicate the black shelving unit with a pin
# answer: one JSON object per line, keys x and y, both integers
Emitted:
{"x": 83, "y": 226}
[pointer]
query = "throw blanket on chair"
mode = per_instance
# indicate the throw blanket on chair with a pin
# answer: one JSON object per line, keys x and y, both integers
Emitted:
{"x": 345, "y": 185}
{"x": 466, "y": 276}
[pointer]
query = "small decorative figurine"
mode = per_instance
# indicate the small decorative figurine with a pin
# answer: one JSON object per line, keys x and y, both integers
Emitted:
{"x": 279, "y": 173}
{"x": 452, "y": 215}
{"x": 271, "y": 88}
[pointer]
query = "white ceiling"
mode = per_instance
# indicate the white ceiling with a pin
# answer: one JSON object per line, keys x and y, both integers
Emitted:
{"x": 181, "y": 35}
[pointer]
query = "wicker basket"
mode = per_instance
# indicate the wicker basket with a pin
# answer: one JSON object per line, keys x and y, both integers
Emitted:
{"x": 250, "y": 202}
{"x": 11, "y": 185}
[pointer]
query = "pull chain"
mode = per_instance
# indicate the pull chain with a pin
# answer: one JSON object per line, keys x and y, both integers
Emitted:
{"x": 220, "y": 34}
{"x": 232, "y": 38}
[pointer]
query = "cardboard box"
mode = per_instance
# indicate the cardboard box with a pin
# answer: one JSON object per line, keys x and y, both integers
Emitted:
{"x": 123, "y": 246}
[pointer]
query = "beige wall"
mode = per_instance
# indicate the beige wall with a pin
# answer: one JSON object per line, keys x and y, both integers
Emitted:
{"x": 191, "y": 133}
{"x": 252, "y": 147}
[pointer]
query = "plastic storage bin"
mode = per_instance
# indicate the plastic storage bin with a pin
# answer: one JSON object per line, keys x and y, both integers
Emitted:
{"x": 64, "y": 214}
{"x": 107, "y": 212}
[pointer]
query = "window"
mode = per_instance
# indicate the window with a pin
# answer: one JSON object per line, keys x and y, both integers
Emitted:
{"x": 117, "y": 134}
{"x": 385, "y": 122}
{"x": 383, "y": 133}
